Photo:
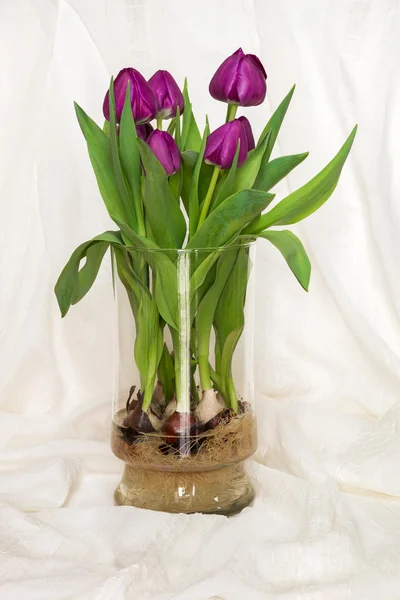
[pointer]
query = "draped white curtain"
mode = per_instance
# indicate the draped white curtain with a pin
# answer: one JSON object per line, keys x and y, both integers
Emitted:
{"x": 326, "y": 522}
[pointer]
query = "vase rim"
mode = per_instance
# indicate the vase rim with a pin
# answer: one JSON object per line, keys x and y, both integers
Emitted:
{"x": 190, "y": 251}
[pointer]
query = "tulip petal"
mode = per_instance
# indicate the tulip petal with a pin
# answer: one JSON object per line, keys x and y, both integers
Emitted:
{"x": 167, "y": 93}
{"x": 166, "y": 150}
{"x": 240, "y": 79}
{"x": 222, "y": 144}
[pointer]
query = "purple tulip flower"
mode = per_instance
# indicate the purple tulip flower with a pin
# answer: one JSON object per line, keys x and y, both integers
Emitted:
{"x": 166, "y": 150}
{"x": 240, "y": 80}
{"x": 249, "y": 133}
{"x": 144, "y": 131}
{"x": 222, "y": 143}
{"x": 143, "y": 101}
{"x": 167, "y": 93}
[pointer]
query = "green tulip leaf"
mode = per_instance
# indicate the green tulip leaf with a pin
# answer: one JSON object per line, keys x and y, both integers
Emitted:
{"x": 274, "y": 171}
{"x": 75, "y": 282}
{"x": 175, "y": 184}
{"x": 164, "y": 272}
{"x": 246, "y": 174}
{"x": 226, "y": 187}
{"x": 229, "y": 314}
{"x": 189, "y": 159}
{"x": 130, "y": 156}
{"x": 148, "y": 337}
{"x": 191, "y": 138}
{"x": 119, "y": 174}
{"x": 307, "y": 199}
{"x": 171, "y": 127}
{"x": 162, "y": 210}
{"x": 274, "y": 125}
{"x": 229, "y": 321}
{"x": 194, "y": 188}
{"x": 166, "y": 374}
{"x": 99, "y": 149}
{"x": 227, "y": 383}
{"x": 148, "y": 345}
{"x": 177, "y": 128}
{"x": 293, "y": 252}
{"x": 208, "y": 305}
{"x": 229, "y": 218}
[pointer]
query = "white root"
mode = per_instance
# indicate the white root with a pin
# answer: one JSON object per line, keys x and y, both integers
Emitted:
{"x": 210, "y": 405}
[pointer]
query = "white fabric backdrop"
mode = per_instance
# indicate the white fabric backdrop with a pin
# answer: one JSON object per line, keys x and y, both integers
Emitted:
{"x": 326, "y": 522}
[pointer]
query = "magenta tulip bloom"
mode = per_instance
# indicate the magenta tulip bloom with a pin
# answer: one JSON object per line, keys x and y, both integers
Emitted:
{"x": 144, "y": 131}
{"x": 240, "y": 80}
{"x": 222, "y": 143}
{"x": 249, "y": 133}
{"x": 167, "y": 93}
{"x": 143, "y": 101}
{"x": 166, "y": 150}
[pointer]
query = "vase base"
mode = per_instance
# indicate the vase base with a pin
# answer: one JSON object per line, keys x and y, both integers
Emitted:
{"x": 224, "y": 491}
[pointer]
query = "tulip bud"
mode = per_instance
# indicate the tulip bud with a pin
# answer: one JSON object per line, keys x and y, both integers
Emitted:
{"x": 240, "y": 80}
{"x": 222, "y": 143}
{"x": 143, "y": 101}
{"x": 166, "y": 150}
{"x": 168, "y": 95}
{"x": 144, "y": 131}
{"x": 249, "y": 133}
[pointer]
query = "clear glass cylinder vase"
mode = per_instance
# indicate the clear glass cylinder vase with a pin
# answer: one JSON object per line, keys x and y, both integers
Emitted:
{"x": 183, "y": 406}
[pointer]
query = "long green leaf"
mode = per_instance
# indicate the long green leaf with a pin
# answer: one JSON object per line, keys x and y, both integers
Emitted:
{"x": 178, "y": 128}
{"x": 130, "y": 156}
{"x": 228, "y": 385}
{"x": 226, "y": 188}
{"x": 247, "y": 173}
{"x": 119, "y": 174}
{"x": 194, "y": 188}
{"x": 229, "y": 321}
{"x": 166, "y": 374}
{"x": 191, "y": 138}
{"x": 229, "y": 218}
{"x": 229, "y": 314}
{"x": 165, "y": 275}
{"x": 72, "y": 285}
{"x": 100, "y": 156}
{"x": 274, "y": 125}
{"x": 162, "y": 210}
{"x": 307, "y": 199}
{"x": 148, "y": 345}
{"x": 208, "y": 305}
{"x": 293, "y": 252}
{"x": 148, "y": 338}
{"x": 274, "y": 171}
{"x": 189, "y": 159}
{"x": 87, "y": 275}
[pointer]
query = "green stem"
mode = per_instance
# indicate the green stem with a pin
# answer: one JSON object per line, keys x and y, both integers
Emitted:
{"x": 215, "y": 378}
{"x": 233, "y": 400}
{"x": 204, "y": 369}
{"x": 159, "y": 123}
{"x": 231, "y": 112}
{"x": 208, "y": 198}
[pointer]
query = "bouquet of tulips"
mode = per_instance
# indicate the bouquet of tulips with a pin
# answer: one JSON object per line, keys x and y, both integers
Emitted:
{"x": 169, "y": 188}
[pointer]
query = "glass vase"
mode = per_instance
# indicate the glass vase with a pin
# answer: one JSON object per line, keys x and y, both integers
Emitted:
{"x": 183, "y": 406}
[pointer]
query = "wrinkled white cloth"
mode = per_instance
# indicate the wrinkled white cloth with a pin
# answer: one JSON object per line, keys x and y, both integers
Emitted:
{"x": 326, "y": 521}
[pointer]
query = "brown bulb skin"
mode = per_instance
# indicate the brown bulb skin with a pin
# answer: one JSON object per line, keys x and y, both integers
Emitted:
{"x": 138, "y": 421}
{"x": 179, "y": 427}
{"x": 244, "y": 406}
{"x": 221, "y": 417}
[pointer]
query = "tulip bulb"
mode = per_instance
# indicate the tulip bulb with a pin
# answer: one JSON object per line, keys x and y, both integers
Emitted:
{"x": 210, "y": 405}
